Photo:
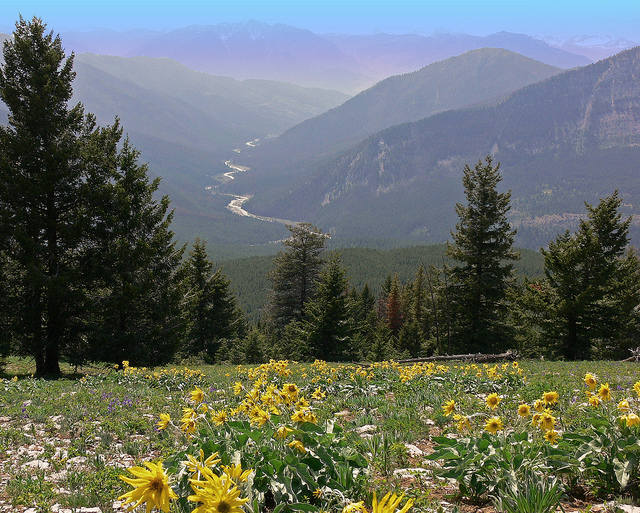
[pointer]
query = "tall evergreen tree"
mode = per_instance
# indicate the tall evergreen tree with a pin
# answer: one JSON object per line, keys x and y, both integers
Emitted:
{"x": 43, "y": 211}
{"x": 482, "y": 243}
{"x": 138, "y": 314}
{"x": 594, "y": 284}
{"x": 327, "y": 326}
{"x": 297, "y": 269}
{"x": 212, "y": 311}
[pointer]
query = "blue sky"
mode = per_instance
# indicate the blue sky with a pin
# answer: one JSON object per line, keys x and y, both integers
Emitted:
{"x": 557, "y": 17}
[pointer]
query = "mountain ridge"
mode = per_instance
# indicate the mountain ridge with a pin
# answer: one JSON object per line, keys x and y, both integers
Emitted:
{"x": 553, "y": 139}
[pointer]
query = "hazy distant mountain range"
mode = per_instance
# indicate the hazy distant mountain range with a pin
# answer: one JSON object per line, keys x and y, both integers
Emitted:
{"x": 349, "y": 63}
{"x": 385, "y": 164}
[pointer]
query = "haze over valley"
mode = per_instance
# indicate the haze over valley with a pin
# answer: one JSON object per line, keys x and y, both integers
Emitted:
{"x": 253, "y": 125}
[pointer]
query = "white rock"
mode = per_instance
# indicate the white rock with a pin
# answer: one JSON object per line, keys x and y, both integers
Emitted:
{"x": 627, "y": 508}
{"x": 414, "y": 452}
{"x": 36, "y": 464}
{"x": 367, "y": 428}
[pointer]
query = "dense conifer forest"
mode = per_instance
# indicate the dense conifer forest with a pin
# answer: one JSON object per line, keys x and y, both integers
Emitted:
{"x": 90, "y": 269}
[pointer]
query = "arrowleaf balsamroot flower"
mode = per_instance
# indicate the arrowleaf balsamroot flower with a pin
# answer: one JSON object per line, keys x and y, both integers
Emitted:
{"x": 604, "y": 392}
{"x": 151, "y": 487}
{"x": 524, "y": 410}
{"x": 449, "y": 407}
{"x": 197, "y": 395}
{"x": 550, "y": 397}
{"x": 298, "y": 446}
{"x": 632, "y": 420}
{"x": 494, "y": 425}
{"x": 493, "y": 400}
{"x": 165, "y": 420}
{"x": 390, "y": 503}
{"x": 590, "y": 381}
{"x": 216, "y": 494}
{"x": 551, "y": 436}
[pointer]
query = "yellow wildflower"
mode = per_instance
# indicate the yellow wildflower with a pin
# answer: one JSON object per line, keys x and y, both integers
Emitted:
{"x": 390, "y": 503}
{"x": 449, "y": 407}
{"x": 493, "y": 400}
{"x": 636, "y": 388}
{"x": 604, "y": 392}
{"x": 463, "y": 423}
{"x": 151, "y": 487}
{"x": 632, "y": 420}
{"x": 590, "y": 380}
{"x": 551, "y": 436}
{"x": 318, "y": 394}
{"x": 550, "y": 397}
{"x": 524, "y": 410}
{"x": 624, "y": 405}
{"x": 215, "y": 494}
{"x": 494, "y": 425}
{"x": 237, "y": 388}
{"x": 355, "y": 507}
{"x": 290, "y": 392}
{"x": 594, "y": 400}
{"x": 298, "y": 446}
{"x": 197, "y": 395}
{"x": 235, "y": 473}
{"x": 538, "y": 405}
{"x": 547, "y": 421}
{"x": 219, "y": 417}
{"x": 165, "y": 420}
{"x": 282, "y": 432}
{"x": 258, "y": 416}
{"x": 188, "y": 420}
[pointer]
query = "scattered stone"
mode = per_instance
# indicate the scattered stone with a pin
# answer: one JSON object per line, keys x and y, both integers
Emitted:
{"x": 407, "y": 473}
{"x": 343, "y": 413}
{"x": 77, "y": 460}
{"x": 39, "y": 464}
{"x": 367, "y": 428}
{"x": 414, "y": 452}
{"x": 627, "y": 508}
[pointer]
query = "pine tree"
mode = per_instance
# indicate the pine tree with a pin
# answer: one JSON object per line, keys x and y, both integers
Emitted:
{"x": 595, "y": 285}
{"x": 327, "y": 325}
{"x": 481, "y": 243}
{"x": 212, "y": 312}
{"x": 43, "y": 212}
{"x": 138, "y": 308}
{"x": 296, "y": 273}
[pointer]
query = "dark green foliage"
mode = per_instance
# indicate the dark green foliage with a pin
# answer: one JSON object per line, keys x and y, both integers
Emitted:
{"x": 481, "y": 243}
{"x": 43, "y": 179}
{"x": 328, "y": 326}
{"x": 296, "y": 273}
{"x": 211, "y": 308}
{"x": 90, "y": 255}
{"x": 594, "y": 284}
{"x": 137, "y": 310}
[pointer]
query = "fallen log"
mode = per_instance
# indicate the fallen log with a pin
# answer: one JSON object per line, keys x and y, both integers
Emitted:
{"x": 475, "y": 358}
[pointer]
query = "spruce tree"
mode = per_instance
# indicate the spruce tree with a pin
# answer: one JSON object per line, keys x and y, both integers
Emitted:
{"x": 43, "y": 211}
{"x": 482, "y": 243}
{"x": 296, "y": 273}
{"x": 327, "y": 326}
{"x": 211, "y": 309}
{"x": 138, "y": 306}
{"x": 594, "y": 284}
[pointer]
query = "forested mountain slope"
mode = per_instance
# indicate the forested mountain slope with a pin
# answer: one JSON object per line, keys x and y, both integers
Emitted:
{"x": 474, "y": 77}
{"x": 572, "y": 138}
